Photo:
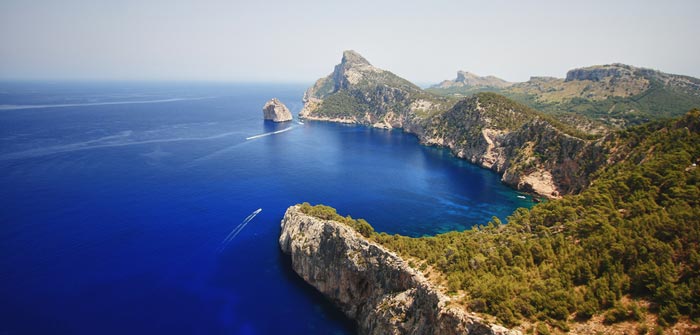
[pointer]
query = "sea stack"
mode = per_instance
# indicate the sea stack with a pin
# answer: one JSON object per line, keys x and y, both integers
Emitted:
{"x": 276, "y": 111}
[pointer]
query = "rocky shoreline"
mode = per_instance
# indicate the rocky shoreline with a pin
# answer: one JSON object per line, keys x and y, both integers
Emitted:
{"x": 371, "y": 284}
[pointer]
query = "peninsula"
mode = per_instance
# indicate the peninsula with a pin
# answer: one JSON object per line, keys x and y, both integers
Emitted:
{"x": 613, "y": 251}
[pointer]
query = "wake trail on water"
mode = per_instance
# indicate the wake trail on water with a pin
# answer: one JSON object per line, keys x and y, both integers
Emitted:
{"x": 270, "y": 133}
{"x": 15, "y": 107}
{"x": 105, "y": 142}
{"x": 232, "y": 235}
{"x": 227, "y": 149}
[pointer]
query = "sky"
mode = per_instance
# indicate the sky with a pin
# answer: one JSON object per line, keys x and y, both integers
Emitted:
{"x": 300, "y": 41}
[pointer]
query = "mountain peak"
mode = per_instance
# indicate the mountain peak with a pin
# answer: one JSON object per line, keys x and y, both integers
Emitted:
{"x": 463, "y": 76}
{"x": 468, "y": 79}
{"x": 352, "y": 57}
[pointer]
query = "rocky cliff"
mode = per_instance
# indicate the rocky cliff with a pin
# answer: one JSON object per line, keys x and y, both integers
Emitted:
{"x": 358, "y": 92}
{"x": 369, "y": 283}
{"x": 532, "y": 152}
{"x": 276, "y": 111}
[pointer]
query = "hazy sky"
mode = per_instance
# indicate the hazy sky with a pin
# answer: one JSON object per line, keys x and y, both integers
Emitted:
{"x": 423, "y": 41}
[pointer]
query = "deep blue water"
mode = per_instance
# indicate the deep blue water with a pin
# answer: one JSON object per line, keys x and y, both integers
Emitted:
{"x": 113, "y": 212}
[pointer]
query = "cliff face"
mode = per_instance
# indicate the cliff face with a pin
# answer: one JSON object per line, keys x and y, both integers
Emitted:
{"x": 357, "y": 92}
{"x": 598, "y": 73}
{"x": 528, "y": 151}
{"x": 276, "y": 111}
{"x": 370, "y": 284}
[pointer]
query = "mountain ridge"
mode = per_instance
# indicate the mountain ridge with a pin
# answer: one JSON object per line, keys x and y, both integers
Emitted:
{"x": 617, "y": 94}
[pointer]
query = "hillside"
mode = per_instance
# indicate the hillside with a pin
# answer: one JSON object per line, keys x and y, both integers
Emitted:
{"x": 620, "y": 257}
{"x": 617, "y": 95}
{"x": 532, "y": 151}
{"x": 634, "y": 233}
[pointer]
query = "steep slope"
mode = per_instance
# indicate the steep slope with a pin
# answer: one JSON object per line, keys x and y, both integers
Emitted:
{"x": 620, "y": 257}
{"x": 369, "y": 283}
{"x": 616, "y": 94}
{"x": 357, "y": 92}
{"x": 587, "y": 262}
{"x": 532, "y": 152}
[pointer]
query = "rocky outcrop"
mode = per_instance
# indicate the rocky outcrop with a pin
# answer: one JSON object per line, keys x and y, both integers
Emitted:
{"x": 371, "y": 284}
{"x": 527, "y": 150}
{"x": 358, "y": 92}
{"x": 467, "y": 79}
{"x": 598, "y": 73}
{"x": 276, "y": 111}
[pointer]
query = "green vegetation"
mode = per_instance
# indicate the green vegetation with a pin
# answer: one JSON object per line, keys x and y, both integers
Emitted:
{"x": 658, "y": 101}
{"x": 634, "y": 232}
{"x": 387, "y": 78}
{"x": 329, "y": 213}
{"x": 494, "y": 101}
{"x": 342, "y": 104}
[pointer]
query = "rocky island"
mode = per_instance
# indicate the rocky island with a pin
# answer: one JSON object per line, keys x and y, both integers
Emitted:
{"x": 276, "y": 111}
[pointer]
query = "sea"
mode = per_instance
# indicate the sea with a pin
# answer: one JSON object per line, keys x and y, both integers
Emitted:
{"x": 155, "y": 207}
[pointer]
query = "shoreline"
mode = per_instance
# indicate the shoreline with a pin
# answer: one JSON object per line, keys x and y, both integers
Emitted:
{"x": 535, "y": 197}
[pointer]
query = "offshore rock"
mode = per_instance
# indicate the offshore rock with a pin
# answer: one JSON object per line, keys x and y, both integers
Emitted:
{"x": 371, "y": 284}
{"x": 276, "y": 111}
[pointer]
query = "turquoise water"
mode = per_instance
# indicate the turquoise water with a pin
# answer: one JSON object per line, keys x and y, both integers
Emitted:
{"x": 117, "y": 200}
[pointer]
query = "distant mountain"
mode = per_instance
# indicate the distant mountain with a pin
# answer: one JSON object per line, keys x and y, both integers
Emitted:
{"x": 470, "y": 80}
{"x": 616, "y": 94}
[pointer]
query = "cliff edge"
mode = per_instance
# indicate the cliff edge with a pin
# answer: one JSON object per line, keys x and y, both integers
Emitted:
{"x": 371, "y": 284}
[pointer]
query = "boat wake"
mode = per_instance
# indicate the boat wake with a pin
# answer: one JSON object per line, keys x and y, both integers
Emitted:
{"x": 270, "y": 133}
{"x": 238, "y": 229}
{"x": 14, "y": 107}
{"x": 121, "y": 140}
